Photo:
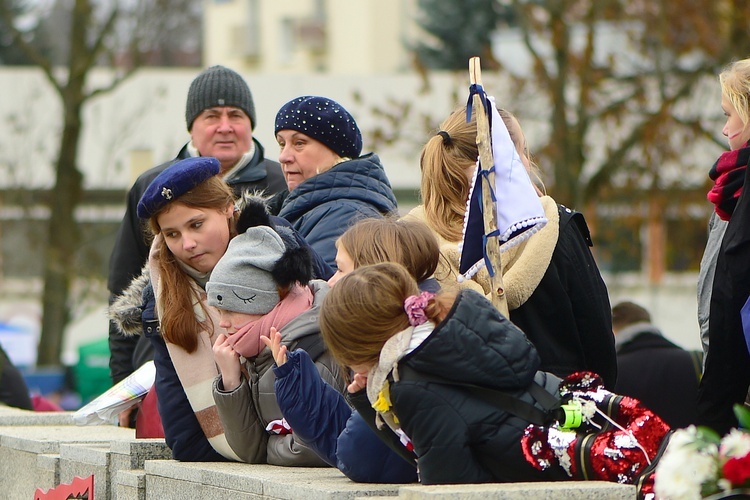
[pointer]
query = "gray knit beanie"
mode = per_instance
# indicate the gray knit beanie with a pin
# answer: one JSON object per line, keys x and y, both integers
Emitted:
{"x": 218, "y": 86}
{"x": 242, "y": 281}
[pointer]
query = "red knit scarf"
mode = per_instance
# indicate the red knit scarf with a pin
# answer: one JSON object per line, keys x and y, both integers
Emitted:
{"x": 728, "y": 174}
{"x": 247, "y": 339}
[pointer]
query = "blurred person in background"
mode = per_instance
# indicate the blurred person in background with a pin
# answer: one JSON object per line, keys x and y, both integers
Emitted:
{"x": 661, "y": 374}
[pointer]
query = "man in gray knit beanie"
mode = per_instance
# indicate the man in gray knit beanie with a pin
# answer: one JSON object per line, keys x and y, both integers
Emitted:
{"x": 220, "y": 116}
{"x": 218, "y": 86}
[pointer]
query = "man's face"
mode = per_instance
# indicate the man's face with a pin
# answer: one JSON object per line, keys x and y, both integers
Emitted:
{"x": 224, "y": 133}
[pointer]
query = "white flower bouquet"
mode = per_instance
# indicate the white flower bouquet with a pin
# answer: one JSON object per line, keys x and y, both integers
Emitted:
{"x": 699, "y": 464}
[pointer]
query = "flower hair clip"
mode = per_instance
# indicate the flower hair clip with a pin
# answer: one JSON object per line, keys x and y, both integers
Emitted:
{"x": 414, "y": 305}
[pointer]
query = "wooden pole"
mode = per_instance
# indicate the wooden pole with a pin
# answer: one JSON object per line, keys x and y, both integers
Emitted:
{"x": 484, "y": 144}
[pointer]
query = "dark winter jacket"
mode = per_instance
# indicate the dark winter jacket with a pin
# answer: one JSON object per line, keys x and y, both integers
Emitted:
{"x": 324, "y": 206}
{"x": 568, "y": 317}
{"x": 726, "y": 376}
{"x": 662, "y": 375}
{"x": 460, "y": 437}
{"x": 322, "y": 419}
{"x": 130, "y": 251}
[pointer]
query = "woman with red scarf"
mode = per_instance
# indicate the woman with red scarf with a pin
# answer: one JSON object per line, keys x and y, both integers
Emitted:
{"x": 726, "y": 374}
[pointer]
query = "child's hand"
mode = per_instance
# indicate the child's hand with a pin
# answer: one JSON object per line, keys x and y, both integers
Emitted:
{"x": 359, "y": 382}
{"x": 274, "y": 343}
{"x": 229, "y": 363}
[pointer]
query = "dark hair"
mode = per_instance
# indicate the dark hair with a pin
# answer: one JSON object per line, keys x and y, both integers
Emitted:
{"x": 628, "y": 313}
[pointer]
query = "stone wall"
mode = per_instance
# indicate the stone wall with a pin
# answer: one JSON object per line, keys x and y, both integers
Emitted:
{"x": 43, "y": 450}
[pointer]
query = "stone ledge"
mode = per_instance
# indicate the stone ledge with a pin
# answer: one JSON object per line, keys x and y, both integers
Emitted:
{"x": 564, "y": 490}
{"x": 14, "y": 416}
{"x": 208, "y": 480}
{"x": 239, "y": 481}
{"x": 43, "y": 453}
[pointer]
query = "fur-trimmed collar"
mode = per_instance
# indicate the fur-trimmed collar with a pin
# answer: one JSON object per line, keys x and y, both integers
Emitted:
{"x": 125, "y": 310}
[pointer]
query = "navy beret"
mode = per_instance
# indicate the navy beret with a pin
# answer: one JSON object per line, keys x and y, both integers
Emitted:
{"x": 174, "y": 181}
{"x": 324, "y": 120}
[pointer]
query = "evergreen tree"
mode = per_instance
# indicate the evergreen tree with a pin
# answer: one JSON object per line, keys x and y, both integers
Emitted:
{"x": 459, "y": 30}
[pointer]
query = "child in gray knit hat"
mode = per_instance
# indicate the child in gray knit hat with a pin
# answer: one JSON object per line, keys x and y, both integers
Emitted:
{"x": 261, "y": 285}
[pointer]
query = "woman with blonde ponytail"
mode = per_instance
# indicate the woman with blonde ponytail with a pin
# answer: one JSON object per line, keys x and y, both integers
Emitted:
{"x": 553, "y": 287}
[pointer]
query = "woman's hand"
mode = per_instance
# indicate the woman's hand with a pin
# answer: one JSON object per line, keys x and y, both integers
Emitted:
{"x": 359, "y": 382}
{"x": 229, "y": 363}
{"x": 273, "y": 342}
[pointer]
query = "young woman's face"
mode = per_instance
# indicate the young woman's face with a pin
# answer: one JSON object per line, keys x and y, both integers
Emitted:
{"x": 344, "y": 265}
{"x": 196, "y": 236}
{"x": 302, "y": 157}
{"x": 232, "y": 321}
{"x": 736, "y": 132}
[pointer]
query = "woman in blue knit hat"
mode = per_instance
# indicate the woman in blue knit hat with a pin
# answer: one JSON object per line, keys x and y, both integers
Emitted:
{"x": 330, "y": 184}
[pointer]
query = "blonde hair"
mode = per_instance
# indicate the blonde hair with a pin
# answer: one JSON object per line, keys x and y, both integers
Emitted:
{"x": 366, "y": 308}
{"x": 446, "y": 164}
{"x": 408, "y": 242}
{"x": 735, "y": 86}
{"x": 178, "y": 321}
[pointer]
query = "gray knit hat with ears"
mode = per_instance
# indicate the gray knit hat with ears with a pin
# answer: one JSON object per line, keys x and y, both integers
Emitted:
{"x": 242, "y": 281}
{"x": 218, "y": 86}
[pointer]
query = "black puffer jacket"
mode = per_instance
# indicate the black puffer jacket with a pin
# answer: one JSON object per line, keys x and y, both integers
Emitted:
{"x": 458, "y": 437}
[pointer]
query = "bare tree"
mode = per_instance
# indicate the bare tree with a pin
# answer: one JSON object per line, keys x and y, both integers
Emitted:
{"x": 635, "y": 93}
{"x": 117, "y": 34}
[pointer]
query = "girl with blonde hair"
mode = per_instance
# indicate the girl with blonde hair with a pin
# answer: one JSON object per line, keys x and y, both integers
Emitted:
{"x": 409, "y": 242}
{"x": 553, "y": 287}
{"x": 460, "y": 384}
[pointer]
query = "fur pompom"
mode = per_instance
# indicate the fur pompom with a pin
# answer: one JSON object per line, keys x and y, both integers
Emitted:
{"x": 294, "y": 266}
{"x": 253, "y": 212}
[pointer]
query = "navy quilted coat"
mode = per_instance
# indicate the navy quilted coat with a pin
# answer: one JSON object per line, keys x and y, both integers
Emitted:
{"x": 458, "y": 437}
{"x": 323, "y": 207}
